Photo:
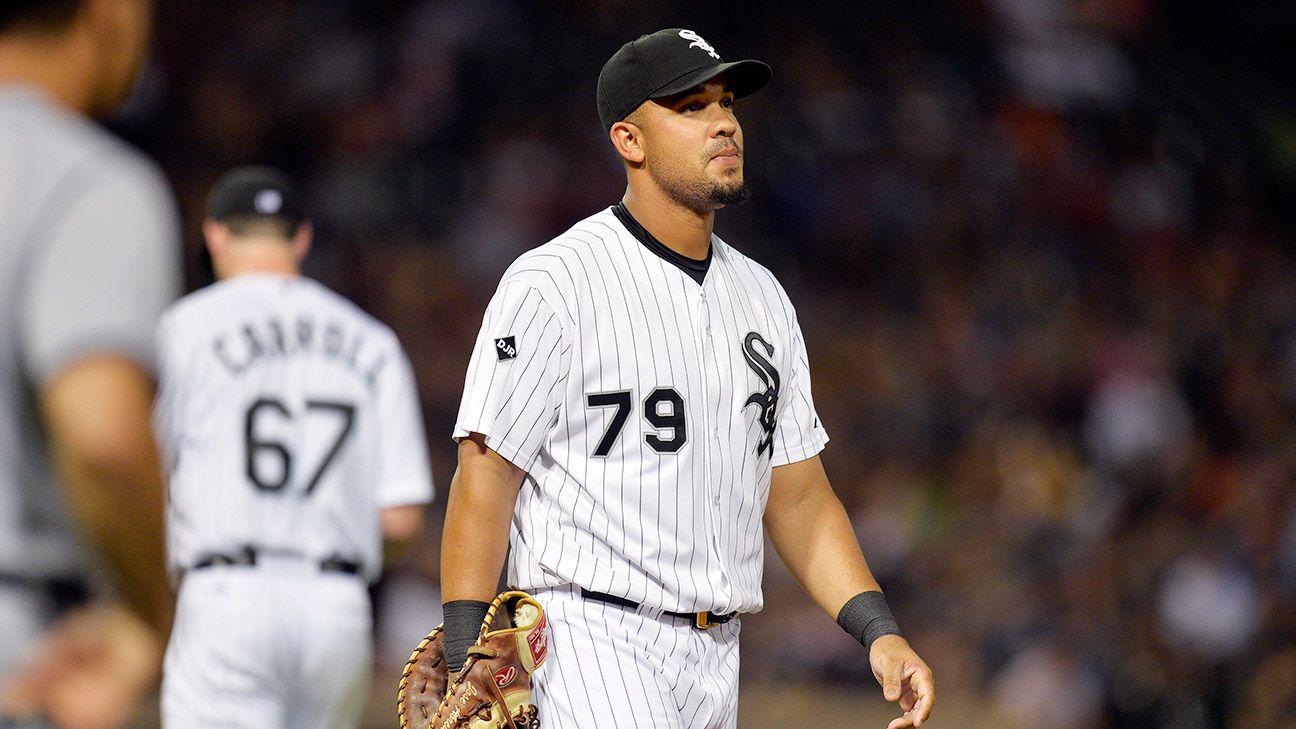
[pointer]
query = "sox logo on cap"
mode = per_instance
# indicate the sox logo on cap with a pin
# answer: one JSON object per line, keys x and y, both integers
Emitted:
{"x": 699, "y": 42}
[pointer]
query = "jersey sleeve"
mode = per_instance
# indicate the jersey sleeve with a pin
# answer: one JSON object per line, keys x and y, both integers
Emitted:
{"x": 169, "y": 403}
{"x": 799, "y": 435}
{"x": 104, "y": 273}
{"x": 405, "y": 476}
{"x": 513, "y": 390}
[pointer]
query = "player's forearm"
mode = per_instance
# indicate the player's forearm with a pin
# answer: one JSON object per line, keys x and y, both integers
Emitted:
{"x": 97, "y": 413}
{"x": 125, "y": 525}
{"x": 474, "y": 542}
{"x": 813, "y": 535}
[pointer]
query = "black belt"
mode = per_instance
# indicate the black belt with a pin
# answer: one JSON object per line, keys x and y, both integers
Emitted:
{"x": 701, "y": 620}
{"x": 63, "y": 591}
{"x": 247, "y": 557}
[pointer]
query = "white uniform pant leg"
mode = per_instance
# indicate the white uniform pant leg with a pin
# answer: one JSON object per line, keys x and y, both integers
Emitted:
{"x": 611, "y": 666}
{"x": 336, "y": 659}
{"x": 255, "y": 648}
{"x": 220, "y": 669}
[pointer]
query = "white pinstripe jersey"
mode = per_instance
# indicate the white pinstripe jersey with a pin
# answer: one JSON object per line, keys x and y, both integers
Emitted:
{"x": 647, "y": 410}
{"x": 289, "y": 418}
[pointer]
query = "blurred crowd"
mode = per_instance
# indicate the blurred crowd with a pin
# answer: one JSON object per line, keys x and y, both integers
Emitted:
{"x": 1041, "y": 250}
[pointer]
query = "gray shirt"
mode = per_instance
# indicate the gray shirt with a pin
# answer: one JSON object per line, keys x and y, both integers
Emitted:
{"x": 89, "y": 258}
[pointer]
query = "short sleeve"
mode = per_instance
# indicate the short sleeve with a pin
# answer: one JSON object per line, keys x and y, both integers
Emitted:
{"x": 405, "y": 477}
{"x": 104, "y": 274}
{"x": 513, "y": 390}
{"x": 168, "y": 406}
{"x": 799, "y": 435}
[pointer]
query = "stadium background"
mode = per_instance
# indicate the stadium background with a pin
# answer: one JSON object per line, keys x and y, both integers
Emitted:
{"x": 1042, "y": 254}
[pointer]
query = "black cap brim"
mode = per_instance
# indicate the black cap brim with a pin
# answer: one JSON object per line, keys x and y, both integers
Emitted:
{"x": 744, "y": 78}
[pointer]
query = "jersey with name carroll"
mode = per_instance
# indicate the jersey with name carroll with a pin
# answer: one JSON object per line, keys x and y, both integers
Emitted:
{"x": 289, "y": 418}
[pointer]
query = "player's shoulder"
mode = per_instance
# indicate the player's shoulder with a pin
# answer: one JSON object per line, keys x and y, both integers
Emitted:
{"x": 265, "y": 293}
{"x": 196, "y": 302}
{"x": 596, "y": 231}
{"x": 82, "y": 153}
{"x": 747, "y": 267}
{"x": 201, "y": 309}
{"x": 563, "y": 260}
{"x": 331, "y": 301}
{"x": 186, "y": 316}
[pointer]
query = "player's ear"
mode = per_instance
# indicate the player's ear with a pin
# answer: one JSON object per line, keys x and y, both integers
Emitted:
{"x": 301, "y": 240}
{"x": 217, "y": 237}
{"x": 627, "y": 139}
{"x": 216, "y": 234}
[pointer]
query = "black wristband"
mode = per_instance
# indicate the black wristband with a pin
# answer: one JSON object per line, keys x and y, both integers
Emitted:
{"x": 463, "y": 619}
{"x": 866, "y": 617}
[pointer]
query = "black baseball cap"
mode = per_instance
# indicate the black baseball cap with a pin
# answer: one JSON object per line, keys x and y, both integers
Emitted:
{"x": 256, "y": 191}
{"x": 667, "y": 62}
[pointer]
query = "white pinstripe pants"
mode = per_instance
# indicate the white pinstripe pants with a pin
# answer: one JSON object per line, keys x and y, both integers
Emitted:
{"x": 266, "y": 648}
{"x": 612, "y": 666}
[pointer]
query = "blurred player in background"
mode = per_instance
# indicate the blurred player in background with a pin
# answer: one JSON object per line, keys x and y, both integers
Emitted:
{"x": 294, "y": 447}
{"x": 88, "y": 260}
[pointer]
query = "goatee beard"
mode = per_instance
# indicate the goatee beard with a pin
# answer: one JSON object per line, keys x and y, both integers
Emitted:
{"x": 705, "y": 197}
{"x": 730, "y": 194}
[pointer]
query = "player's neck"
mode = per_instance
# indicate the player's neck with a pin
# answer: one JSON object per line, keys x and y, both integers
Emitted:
{"x": 55, "y": 64}
{"x": 685, "y": 231}
{"x": 256, "y": 261}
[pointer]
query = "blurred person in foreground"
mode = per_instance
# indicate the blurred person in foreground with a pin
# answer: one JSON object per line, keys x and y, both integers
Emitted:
{"x": 88, "y": 260}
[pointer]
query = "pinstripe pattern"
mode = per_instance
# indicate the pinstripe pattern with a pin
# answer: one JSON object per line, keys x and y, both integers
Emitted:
{"x": 666, "y": 511}
{"x": 243, "y": 654}
{"x": 315, "y": 347}
{"x": 613, "y": 666}
{"x": 595, "y": 311}
{"x": 289, "y": 419}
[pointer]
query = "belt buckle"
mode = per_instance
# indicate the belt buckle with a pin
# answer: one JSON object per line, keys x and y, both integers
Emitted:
{"x": 702, "y": 620}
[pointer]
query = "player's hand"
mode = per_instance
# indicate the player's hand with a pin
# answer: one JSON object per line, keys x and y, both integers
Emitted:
{"x": 89, "y": 672}
{"x": 905, "y": 678}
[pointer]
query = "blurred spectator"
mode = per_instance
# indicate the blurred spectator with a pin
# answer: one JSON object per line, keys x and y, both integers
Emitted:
{"x": 1046, "y": 685}
{"x": 1209, "y": 605}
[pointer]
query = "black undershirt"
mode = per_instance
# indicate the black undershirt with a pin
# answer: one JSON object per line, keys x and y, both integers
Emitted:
{"x": 692, "y": 267}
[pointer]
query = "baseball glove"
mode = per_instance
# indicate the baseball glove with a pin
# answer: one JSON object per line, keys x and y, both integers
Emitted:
{"x": 493, "y": 690}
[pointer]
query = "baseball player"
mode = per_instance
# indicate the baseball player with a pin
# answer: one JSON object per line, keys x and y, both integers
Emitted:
{"x": 294, "y": 446}
{"x": 88, "y": 260}
{"x": 637, "y": 405}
